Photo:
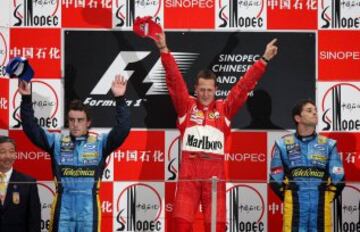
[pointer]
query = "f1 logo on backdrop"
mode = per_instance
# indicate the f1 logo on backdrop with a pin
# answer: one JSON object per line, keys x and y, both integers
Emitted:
{"x": 125, "y": 11}
{"x": 339, "y": 14}
{"x": 156, "y": 76}
{"x": 241, "y": 14}
{"x": 339, "y": 106}
{"x": 92, "y": 58}
{"x": 36, "y": 13}
{"x": 90, "y": 79}
{"x": 139, "y": 207}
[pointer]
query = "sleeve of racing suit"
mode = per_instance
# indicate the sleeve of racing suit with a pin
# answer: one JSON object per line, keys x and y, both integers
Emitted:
{"x": 277, "y": 172}
{"x": 336, "y": 172}
{"x": 177, "y": 87}
{"x": 33, "y": 131}
{"x": 239, "y": 92}
{"x": 120, "y": 131}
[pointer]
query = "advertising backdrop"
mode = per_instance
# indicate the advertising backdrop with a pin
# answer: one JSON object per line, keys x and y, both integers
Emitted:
{"x": 88, "y": 77}
{"x": 77, "y": 46}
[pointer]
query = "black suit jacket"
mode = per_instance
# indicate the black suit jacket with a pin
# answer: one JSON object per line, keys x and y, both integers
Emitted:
{"x": 21, "y": 211}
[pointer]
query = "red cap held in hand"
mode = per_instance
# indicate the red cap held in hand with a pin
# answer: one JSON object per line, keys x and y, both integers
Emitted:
{"x": 146, "y": 27}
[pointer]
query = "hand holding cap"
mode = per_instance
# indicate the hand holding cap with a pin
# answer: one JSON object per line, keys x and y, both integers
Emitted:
{"x": 19, "y": 67}
{"x": 146, "y": 27}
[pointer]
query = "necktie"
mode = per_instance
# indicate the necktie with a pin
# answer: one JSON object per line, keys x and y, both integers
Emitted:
{"x": 2, "y": 187}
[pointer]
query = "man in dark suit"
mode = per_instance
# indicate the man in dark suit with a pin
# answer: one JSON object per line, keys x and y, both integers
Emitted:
{"x": 20, "y": 209}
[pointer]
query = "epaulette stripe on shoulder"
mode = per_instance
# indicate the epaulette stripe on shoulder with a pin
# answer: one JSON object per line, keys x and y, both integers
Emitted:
{"x": 92, "y": 138}
{"x": 322, "y": 139}
{"x": 289, "y": 139}
{"x": 65, "y": 138}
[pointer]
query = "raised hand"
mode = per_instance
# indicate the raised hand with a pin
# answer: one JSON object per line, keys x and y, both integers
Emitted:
{"x": 270, "y": 50}
{"x": 118, "y": 86}
{"x": 24, "y": 87}
{"x": 161, "y": 42}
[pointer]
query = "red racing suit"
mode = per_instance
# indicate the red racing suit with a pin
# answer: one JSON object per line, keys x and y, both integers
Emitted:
{"x": 204, "y": 131}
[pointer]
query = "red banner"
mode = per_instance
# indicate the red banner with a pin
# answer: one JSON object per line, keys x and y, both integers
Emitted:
{"x": 339, "y": 56}
{"x": 247, "y": 153}
{"x": 42, "y": 47}
{"x": 141, "y": 157}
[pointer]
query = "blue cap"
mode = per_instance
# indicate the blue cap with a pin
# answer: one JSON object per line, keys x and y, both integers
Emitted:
{"x": 19, "y": 67}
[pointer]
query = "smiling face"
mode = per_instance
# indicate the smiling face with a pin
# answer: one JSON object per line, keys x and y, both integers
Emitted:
{"x": 205, "y": 90}
{"x": 7, "y": 156}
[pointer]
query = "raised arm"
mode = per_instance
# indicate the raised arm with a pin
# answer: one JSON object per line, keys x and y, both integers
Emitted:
{"x": 247, "y": 83}
{"x": 120, "y": 131}
{"x": 270, "y": 51}
{"x": 33, "y": 131}
{"x": 177, "y": 87}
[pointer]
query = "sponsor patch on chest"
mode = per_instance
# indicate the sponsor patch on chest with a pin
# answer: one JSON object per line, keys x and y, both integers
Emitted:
{"x": 206, "y": 139}
{"x": 77, "y": 172}
{"x": 203, "y": 143}
{"x": 197, "y": 116}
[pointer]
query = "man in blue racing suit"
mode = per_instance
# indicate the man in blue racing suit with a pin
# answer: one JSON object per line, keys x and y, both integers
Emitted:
{"x": 306, "y": 173}
{"x": 78, "y": 159}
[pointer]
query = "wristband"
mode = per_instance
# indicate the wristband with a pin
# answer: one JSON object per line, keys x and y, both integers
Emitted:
{"x": 264, "y": 59}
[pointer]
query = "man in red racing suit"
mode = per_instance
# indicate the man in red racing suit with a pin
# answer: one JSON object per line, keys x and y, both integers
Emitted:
{"x": 204, "y": 124}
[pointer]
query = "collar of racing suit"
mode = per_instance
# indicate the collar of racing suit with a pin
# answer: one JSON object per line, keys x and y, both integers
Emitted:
{"x": 202, "y": 107}
{"x": 79, "y": 138}
{"x": 307, "y": 138}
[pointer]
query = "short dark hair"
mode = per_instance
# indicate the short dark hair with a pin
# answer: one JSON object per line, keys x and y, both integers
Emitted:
{"x": 6, "y": 139}
{"x": 79, "y": 106}
{"x": 298, "y": 108}
{"x": 207, "y": 75}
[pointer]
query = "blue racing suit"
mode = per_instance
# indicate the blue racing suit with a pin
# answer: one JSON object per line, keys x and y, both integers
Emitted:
{"x": 307, "y": 174}
{"x": 77, "y": 165}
